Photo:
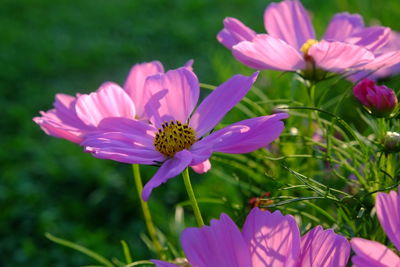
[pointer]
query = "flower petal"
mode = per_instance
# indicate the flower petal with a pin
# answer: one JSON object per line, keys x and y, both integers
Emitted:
{"x": 385, "y": 60}
{"x": 62, "y": 122}
{"x": 219, "y": 102}
{"x": 274, "y": 239}
{"x": 220, "y": 244}
{"x": 388, "y": 211}
{"x": 323, "y": 248}
{"x": 392, "y": 45}
{"x": 234, "y": 32}
{"x": 65, "y": 110}
{"x": 342, "y": 25}
{"x": 169, "y": 169}
{"x": 203, "y": 167}
{"x": 163, "y": 263}
{"x": 371, "y": 253}
{"x": 267, "y": 52}
{"x": 123, "y": 140}
{"x": 350, "y": 28}
{"x": 172, "y": 96}
{"x": 143, "y": 133}
{"x": 52, "y": 125}
{"x": 109, "y": 100}
{"x": 245, "y": 136}
{"x": 289, "y": 21}
{"x": 134, "y": 84}
{"x": 338, "y": 56}
{"x": 189, "y": 64}
{"x": 371, "y": 38}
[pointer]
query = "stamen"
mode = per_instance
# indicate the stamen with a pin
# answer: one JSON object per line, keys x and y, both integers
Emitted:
{"x": 174, "y": 137}
{"x": 307, "y": 45}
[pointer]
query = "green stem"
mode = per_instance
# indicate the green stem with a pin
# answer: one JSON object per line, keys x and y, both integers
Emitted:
{"x": 389, "y": 166}
{"x": 146, "y": 211}
{"x": 311, "y": 101}
{"x": 192, "y": 198}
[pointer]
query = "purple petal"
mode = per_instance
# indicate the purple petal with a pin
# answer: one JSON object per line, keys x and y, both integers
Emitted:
{"x": 371, "y": 38}
{"x": 169, "y": 169}
{"x": 392, "y": 45}
{"x": 189, "y": 64}
{"x": 163, "y": 263}
{"x": 134, "y": 84}
{"x": 338, "y": 56}
{"x": 289, "y": 21}
{"x": 173, "y": 96}
{"x": 234, "y": 32}
{"x": 109, "y": 100}
{"x": 342, "y": 25}
{"x": 203, "y": 167}
{"x": 123, "y": 140}
{"x": 274, "y": 239}
{"x": 200, "y": 153}
{"x": 245, "y": 136}
{"x": 350, "y": 28}
{"x": 220, "y": 244}
{"x": 65, "y": 111}
{"x": 371, "y": 253}
{"x": 267, "y": 52}
{"x": 323, "y": 248}
{"x": 385, "y": 60}
{"x": 219, "y": 102}
{"x": 388, "y": 211}
{"x": 144, "y": 133}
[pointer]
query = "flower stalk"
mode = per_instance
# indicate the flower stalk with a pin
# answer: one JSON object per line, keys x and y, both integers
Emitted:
{"x": 192, "y": 197}
{"x": 146, "y": 211}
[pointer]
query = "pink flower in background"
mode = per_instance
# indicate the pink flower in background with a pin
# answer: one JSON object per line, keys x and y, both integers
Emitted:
{"x": 290, "y": 44}
{"x": 74, "y": 117}
{"x": 267, "y": 239}
{"x": 390, "y": 48}
{"x": 371, "y": 253}
{"x": 176, "y": 137}
{"x": 379, "y": 99}
{"x": 392, "y": 45}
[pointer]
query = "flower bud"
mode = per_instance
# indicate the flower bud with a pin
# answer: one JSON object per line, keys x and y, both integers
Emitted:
{"x": 391, "y": 142}
{"x": 380, "y": 100}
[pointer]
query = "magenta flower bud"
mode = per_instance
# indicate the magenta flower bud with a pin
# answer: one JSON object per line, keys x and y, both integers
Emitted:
{"x": 380, "y": 100}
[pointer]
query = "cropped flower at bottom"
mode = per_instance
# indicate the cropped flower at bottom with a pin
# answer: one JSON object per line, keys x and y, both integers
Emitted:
{"x": 372, "y": 253}
{"x": 175, "y": 137}
{"x": 267, "y": 239}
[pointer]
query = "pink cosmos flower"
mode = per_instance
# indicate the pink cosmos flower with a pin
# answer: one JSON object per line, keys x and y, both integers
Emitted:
{"x": 74, "y": 117}
{"x": 371, "y": 253}
{"x": 267, "y": 239}
{"x": 175, "y": 137}
{"x": 290, "y": 44}
{"x": 391, "y": 47}
{"x": 379, "y": 99}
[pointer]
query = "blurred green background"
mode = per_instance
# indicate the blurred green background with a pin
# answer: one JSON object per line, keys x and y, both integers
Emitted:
{"x": 52, "y": 46}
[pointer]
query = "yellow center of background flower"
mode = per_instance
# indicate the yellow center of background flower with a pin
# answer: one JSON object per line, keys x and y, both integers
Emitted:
{"x": 307, "y": 45}
{"x": 174, "y": 137}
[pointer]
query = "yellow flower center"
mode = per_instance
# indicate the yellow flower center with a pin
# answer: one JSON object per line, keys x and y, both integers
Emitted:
{"x": 174, "y": 137}
{"x": 307, "y": 45}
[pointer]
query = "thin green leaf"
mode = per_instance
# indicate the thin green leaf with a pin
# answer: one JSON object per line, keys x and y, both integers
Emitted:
{"x": 79, "y": 248}
{"x": 127, "y": 253}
